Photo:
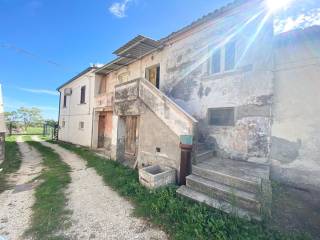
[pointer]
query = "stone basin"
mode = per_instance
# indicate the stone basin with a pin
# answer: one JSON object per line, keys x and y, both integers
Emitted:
{"x": 157, "y": 176}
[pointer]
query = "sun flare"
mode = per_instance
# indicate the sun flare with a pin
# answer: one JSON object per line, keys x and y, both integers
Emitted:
{"x": 275, "y": 5}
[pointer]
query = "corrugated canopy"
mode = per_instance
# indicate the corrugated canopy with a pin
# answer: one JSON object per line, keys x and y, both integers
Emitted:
{"x": 131, "y": 51}
{"x": 137, "y": 47}
{"x": 114, "y": 65}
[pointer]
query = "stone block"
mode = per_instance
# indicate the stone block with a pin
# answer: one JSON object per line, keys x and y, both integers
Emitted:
{"x": 157, "y": 176}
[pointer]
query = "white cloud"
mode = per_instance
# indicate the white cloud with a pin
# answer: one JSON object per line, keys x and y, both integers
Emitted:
{"x": 119, "y": 8}
{"x": 303, "y": 20}
{"x": 40, "y": 91}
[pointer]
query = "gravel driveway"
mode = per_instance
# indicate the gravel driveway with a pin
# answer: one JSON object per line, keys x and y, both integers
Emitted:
{"x": 98, "y": 211}
{"x": 16, "y": 203}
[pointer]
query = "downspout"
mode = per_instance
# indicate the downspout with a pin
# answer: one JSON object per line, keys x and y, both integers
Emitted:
{"x": 59, "y": 115}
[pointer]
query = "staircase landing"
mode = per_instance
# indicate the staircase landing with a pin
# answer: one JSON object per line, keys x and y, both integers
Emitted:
{"x": 231, "y": 186}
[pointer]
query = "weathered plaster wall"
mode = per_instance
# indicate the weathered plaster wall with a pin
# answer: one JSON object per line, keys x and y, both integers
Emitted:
{"x": 248, "y": 88}
{"x": 153, "y": 134}
{"x": 184, "y": 78}
{"x": 74, "y": 113}
{"x": 295, "y": 150}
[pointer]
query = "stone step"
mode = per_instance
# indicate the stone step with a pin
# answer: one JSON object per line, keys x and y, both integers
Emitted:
{"x": 226, "y": 193}
{"x": 215, "y": 203}
{"x": 227, "y": 179}
{"x": 204, "y": 155}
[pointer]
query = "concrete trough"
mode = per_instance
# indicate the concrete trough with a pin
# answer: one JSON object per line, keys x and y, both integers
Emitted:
{"x": 157, "y": 176}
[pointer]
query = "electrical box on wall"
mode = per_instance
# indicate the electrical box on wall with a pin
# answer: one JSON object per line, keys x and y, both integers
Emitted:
{"x": 67, "y": 91}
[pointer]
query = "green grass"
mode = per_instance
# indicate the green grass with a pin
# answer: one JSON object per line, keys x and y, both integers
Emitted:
{"x": 49, "y": 213}
{"x": 34, "y": 130}
{"x": 11, "y": 163}
{"x": 180, "y": 218}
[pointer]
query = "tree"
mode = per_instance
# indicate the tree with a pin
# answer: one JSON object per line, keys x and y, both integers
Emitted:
{"x": 51, "y": 122}
{"x": 11, "y": 117}
{"x": 29, "y": 116}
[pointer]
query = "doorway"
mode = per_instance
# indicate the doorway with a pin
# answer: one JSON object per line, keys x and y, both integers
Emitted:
{"x": 153, "y": 75}
{"x": 101, "y": 130}
{"x": 131, "y": 137}
{"x": 105, "y": 130}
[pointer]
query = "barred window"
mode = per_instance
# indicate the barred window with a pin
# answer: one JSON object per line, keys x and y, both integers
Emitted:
{"x": 221, "y": 116}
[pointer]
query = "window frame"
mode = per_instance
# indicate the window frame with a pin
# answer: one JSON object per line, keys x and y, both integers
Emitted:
{"x": 64, "y": 105}
{"x": 81, "y": 125}
{"x": 83, "y": 94}
{"x": 212, "y": 65}
{"x": 223, "y": 59}
{"x": 232, "y": 45}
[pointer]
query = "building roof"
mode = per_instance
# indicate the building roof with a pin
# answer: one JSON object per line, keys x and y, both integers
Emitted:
{"x": 2, "y": 119}
{"x": 77, "y": 76}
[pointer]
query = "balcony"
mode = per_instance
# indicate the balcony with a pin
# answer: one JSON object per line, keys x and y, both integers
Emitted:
{"x": 104, "y": 101}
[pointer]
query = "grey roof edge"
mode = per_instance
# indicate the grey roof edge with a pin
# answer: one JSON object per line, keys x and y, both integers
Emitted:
{"x": 209, "y": 17}
{"x": 77, "y": 76}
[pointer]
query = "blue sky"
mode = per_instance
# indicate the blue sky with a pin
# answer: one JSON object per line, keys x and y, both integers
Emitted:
{"x": 43, "y": 43}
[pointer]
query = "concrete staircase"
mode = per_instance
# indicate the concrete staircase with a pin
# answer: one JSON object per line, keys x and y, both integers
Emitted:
{"x": 231, "y": 186}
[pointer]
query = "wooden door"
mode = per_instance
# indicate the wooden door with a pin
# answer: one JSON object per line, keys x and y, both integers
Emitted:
{"x": 101, "y": 130}
{"x": 131, "y": 137}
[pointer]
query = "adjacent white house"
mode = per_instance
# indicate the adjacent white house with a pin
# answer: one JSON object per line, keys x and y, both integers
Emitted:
{"x": 76, "y": 107}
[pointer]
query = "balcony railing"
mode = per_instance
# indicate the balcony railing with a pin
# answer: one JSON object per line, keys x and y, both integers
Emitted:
{"x": 104, "y": 100}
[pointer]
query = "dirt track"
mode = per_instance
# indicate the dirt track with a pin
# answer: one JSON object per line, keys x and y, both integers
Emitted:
{"x": 16, "y": 203}
{"x": 98, "y": 211}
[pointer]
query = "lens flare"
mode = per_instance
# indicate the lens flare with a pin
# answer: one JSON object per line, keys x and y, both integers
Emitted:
{"x": 275, "y": 5}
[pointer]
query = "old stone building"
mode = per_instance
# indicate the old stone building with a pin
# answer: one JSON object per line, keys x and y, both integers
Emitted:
{"x": 247, "y": 99}
{"x": 2, "y": 128}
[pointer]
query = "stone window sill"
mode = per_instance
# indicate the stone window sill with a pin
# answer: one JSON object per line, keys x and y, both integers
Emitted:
{"x": 220, "y": 75}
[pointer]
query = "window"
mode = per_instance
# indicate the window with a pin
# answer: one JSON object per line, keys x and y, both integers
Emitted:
{"x": 83, "y": 95}
{"x": 63, "y": 124}
{"x": 103, "y": 86}
{"x": 221, "y": 116}
{"x": 228, "y": 58}
{"x": 123, "y": 77}
{"x": 64, "y": 101}
{"x": 230, "y": 54}
{"x": 216, "y": 62}
{"x": 152, "y": 74}
{"x": 81, "y": 125}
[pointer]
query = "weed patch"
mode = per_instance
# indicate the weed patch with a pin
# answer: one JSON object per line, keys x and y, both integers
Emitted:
{"x": 11, "y": 163}
{"x": 181, "y": 218}
{"x": 49, "y": 213}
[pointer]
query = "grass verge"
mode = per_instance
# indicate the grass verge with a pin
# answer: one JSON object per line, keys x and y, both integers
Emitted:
{"x": 11, "y": 163}
{"x": 49, "y": 213}
{"x": 180, "y": 218}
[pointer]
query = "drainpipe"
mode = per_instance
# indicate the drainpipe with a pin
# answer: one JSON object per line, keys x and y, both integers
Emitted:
{"x": 186, "y": 159}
